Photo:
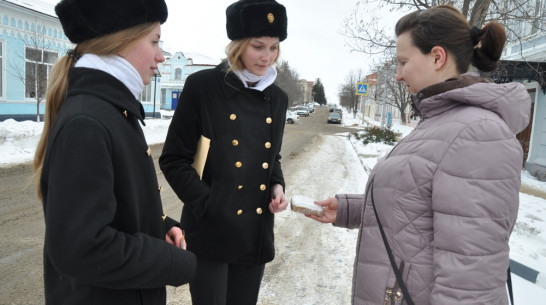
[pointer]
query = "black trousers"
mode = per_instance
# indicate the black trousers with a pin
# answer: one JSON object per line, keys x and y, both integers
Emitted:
{"x": 226, "y": 284}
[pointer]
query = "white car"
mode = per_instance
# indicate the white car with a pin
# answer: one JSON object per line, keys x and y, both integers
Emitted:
{"x": 291, "y": 117}
{"x": 302, "y": 111}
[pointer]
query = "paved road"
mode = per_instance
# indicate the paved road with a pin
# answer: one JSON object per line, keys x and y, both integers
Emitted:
{"x": 21, "y": 216}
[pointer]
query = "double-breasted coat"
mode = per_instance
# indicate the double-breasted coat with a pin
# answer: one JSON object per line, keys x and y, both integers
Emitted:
{"x": 225, "y": 215}
{"x": 105, "y": 227}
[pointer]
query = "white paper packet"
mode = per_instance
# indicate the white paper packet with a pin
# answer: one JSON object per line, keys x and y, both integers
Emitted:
{"x": 305, "y": 205}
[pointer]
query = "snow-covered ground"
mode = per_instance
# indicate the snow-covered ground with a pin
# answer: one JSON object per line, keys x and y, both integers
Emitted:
{"x": 528, "y": 241}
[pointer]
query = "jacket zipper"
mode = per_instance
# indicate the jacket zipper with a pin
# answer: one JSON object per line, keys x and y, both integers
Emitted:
{"x": 392, "y": 294}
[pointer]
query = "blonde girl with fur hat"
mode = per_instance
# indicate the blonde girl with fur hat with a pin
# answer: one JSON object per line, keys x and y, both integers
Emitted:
{"x": 107, "y": 239}
{"x": 229, "y": 204}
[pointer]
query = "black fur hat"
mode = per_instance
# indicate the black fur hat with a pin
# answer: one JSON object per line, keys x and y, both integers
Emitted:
{"x": 86, "y": 19}
{"x": 256, "y": 18}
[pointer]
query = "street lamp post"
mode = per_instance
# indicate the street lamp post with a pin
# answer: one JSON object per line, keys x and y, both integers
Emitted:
{"x": 156, "y": 75}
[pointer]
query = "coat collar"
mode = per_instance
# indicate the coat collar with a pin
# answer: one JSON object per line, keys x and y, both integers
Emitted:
{"x": 461, "y": 81}
{"x": 231, "y": 84}
{"x": 106, "y": 87}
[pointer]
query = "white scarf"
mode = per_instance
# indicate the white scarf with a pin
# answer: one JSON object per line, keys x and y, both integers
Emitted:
{"x": 116, "y": 66}
{"x": 262, "y": 81}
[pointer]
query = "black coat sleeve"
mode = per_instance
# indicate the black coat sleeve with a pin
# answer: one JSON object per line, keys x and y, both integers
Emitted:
{"x": 81, "y": 206}
{"x": 179, "y": 151}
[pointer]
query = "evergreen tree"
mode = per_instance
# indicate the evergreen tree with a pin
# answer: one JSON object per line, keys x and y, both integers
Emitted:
{"x": 318, "y": 93}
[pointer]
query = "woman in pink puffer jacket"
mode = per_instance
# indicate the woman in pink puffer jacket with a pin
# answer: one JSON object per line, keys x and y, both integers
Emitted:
{"x": 447, "y": 195}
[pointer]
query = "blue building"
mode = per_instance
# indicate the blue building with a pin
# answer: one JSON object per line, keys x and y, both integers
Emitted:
{"x": 175, "y": 70}
{"x": 31, "y": 41}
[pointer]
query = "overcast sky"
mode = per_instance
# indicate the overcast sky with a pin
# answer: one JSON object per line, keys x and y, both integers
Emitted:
{"x": 315, "y": 47}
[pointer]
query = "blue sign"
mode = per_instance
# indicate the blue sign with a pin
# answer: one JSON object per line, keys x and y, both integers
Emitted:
{"x": 361, "y": 88}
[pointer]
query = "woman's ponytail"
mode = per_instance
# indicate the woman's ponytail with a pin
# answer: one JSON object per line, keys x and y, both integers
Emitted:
{"x": 56, "y": 94}
{"x": 489, "y": 49}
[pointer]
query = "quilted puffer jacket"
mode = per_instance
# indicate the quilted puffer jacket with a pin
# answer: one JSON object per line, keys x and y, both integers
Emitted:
{"x": 447, "y": 197}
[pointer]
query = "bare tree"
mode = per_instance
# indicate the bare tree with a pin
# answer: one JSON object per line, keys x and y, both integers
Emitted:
{"x": 367, "y": 30}
{"x": 391, "y": 92}
{"x": 288, "y": 81}
{"x": 347, "y": 90}
{"x": 32, "y": 65}
{"x": 370, "y": 29}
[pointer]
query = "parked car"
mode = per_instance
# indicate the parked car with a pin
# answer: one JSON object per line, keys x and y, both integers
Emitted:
{"x": 334, "y": 117}
{"x": 302, "y": 111}
{"x": 291, "y": 117}
{"x": 311, "y": 107}
{"x": 340, "y": 111}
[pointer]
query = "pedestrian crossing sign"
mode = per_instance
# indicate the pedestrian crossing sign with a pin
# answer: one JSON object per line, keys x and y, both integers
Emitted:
{"x": 361, "y": 88}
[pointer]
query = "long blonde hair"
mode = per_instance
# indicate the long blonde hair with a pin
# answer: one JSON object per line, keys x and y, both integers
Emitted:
{"x": 235, "y": 49}
{"x": 58, "y": 81}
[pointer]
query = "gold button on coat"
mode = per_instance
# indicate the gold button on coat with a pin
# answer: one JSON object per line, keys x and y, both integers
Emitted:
{"x": 265, "y": 165}
{"x": 240, "y": 187}
{"x": 267, "y": 145}
{"x": 259, "y": 210}
{"x": 233, "y": 117}
{"x": 262, "y": 187}
{"x": 238, "y": 164}
{"x": 159, "y": 189}
{"x": 149, "y": 151}
{"x": 235, "y": 142}
{"x": 268, "y": 120}
{"x": 239, "y": 212}
{"x": 125, "y": 113}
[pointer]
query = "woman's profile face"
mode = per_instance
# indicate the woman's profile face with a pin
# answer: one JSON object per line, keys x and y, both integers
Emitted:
{"x": 414, "y": 68}
{"x": 145, "y": 54}
{"x": 260, "y": 54}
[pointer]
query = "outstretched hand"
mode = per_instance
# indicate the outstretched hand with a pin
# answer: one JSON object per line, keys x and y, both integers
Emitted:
{"x": 329, "y": 213}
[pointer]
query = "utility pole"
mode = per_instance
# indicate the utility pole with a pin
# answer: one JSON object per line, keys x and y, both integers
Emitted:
{"x": 384, "y": 98}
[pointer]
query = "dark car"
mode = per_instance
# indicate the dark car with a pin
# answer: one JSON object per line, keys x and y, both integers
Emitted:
{"x": 334, "y": 117}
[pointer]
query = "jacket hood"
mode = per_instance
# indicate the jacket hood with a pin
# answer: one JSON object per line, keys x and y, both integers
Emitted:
{"x": 510, "y": 101}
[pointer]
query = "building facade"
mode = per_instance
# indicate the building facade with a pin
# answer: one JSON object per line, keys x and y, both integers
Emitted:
{"x": 524, "y": 60}
{"x": 31, "y": 41}
{"x": 175, "y": 70}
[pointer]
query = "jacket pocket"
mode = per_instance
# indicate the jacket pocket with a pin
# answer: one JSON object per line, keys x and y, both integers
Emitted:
{"x": 211, "y": 203}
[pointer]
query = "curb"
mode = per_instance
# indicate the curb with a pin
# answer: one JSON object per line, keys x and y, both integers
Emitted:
{"x": 527, "y": 273}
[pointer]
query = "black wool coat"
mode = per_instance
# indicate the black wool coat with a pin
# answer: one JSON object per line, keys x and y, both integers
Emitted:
{"x": 105, "y": 230}
{"x": 225, "y": 215}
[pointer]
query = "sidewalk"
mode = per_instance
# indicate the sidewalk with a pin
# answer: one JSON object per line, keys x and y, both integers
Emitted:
{"x": 532, "y": 191}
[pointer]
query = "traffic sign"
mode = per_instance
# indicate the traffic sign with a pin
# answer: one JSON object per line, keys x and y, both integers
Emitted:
{"x": 361, "y": 88}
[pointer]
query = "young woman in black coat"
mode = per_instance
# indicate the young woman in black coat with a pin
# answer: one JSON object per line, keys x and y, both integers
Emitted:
{"x": 107, "y": 240}
{"x": 229, "y": 204}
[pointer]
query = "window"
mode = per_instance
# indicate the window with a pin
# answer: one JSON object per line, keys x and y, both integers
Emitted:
{"x": 178, "y": 74}
{"x": 2, "y": 69}
{"x": 146, "y": 95}
{"x": 38, "y": 64}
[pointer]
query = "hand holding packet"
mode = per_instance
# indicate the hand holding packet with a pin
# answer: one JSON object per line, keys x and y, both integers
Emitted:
{"x": 305, "y": 205}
